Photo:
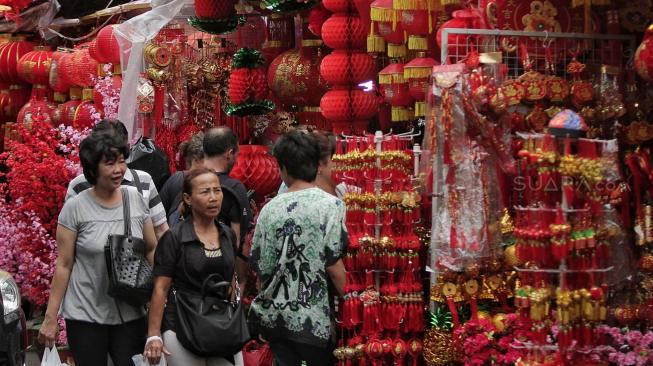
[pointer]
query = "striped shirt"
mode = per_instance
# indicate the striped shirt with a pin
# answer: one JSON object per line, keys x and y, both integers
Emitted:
{"x": 150, "y": 194}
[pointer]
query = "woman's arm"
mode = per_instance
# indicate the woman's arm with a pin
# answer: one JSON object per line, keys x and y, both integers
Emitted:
{"x": 66, "y": 239}
{"x": 150, "y": 239}
{"x": 154, "y": 346}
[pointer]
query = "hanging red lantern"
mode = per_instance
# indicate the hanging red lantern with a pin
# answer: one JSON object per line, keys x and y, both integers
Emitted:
{"x": 257, "y": 169}
{"x": 34, "y": 66}
{"x": 79, "y": 68}
{"x": 343, "y": 67}
{"x": 349, "y": 104}
{"x": 10, "y": 53}
{"x": 105, "y": 47}
{"x": 36, "y": 106}
{"x": 55, "y": 79}
{"x": 248, "y": 85}
{"x": 644, "y": 56}
{"x": 18, "y": 96}
{"x": 395, "y": 91}
{"x": 83, "y": 116}
{"x": 417, "y": 73}
{"x": 215, "y": 17}
{"x": 343, "y": 31}
{"x": 98, "y": 99}
{"x": 69, "y": 108}
{"x": 460, "y": 44}
{"x": 316, "y": 19}
{"x": 5, "y": 98}
{"x": 386, "y": 20}
{"x": 294, "y": 76}
{"x": 417, "y": 18}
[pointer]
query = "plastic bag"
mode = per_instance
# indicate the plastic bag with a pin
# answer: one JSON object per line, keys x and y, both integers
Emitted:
{"x": 51, "y": 357}
{"x": 139, "y": 360}
{"x": 257, "y": 354}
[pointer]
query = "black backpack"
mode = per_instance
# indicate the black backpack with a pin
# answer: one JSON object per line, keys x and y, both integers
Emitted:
{"x": 145, "y": 156}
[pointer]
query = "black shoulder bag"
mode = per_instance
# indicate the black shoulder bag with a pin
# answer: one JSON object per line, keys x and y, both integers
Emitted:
{"x": 209, "y": 324}
{"x": 130, "y": 274}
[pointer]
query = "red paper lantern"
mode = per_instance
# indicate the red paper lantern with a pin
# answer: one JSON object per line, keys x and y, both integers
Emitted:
{"x": 213, "y": 9}
{"x": 349, "y": 105}
{"x": 294, "y": 78}
{"x": 10, "y": 53}
{"x": 395, "y": 91}
{"x": 83, "y": 116}
{"x": 417, "y": 73}
{"x": 386, "y": 19}
{"x": 105, "y": 47}
{"x": 343, "y": 31}
{"x": 18, "y": 96}
{"x": 460, "y": 44}
{"x": 35, "y": 107}
{"x": 68, "y": 110}
{"x": 247, "y": 84}
{"x": 343, "y": 67}
{"x": 257, "y": 169}
{"x": 417, "y": 18}
{"x": 55, "y": 78}
{"x": 79, "y": 68}
{"x": 5, "y": 98}
{"x": 316, "y": 18}
{"x": 339, "y": 6}
{"x": 644, "y": 56}
{"x": 116, "y": 84}
{"x": 34, "y": 66}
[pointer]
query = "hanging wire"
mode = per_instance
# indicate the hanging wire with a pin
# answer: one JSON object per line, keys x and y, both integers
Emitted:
{"x": 92, "y": 33}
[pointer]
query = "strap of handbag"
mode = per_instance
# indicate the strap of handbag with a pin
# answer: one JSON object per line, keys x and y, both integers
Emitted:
{"x": 137, "y": 181}
{"x": 126, "y": 218}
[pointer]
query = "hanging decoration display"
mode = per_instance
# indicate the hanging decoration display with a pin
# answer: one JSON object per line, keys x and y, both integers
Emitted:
{"x": 247, "y": 85}
{"x": 215, "y": 17}
{"x": 347, "y": 107}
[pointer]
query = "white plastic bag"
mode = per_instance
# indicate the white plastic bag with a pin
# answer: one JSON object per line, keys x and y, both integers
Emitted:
{"x": 139, "y": 360}
{"x": 51, "y": 357}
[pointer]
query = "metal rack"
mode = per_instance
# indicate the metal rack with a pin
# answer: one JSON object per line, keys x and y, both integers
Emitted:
{"x": 593, "y": 49}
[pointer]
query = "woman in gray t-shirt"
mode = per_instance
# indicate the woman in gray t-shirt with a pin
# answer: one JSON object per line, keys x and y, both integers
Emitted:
{"x": 97, "y": 324}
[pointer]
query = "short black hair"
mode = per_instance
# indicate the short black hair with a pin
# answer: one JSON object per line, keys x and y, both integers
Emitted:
{"x": 111, "y": 125}
{"x": 103, "y": 143}
{"x": 299, "y": 154}
{"x": 219, "y": 140}
{"x": 192, "y": 149}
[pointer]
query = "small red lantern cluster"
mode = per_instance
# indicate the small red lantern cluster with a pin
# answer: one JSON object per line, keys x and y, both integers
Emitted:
{"x": 347, "y": 106}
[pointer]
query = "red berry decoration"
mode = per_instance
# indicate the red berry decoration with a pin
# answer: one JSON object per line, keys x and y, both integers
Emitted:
{"x": 248, "y": 85}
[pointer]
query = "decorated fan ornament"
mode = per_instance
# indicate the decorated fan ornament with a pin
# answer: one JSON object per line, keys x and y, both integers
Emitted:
{"x": 248, "y": 85}
{"x": 567, "y": 123}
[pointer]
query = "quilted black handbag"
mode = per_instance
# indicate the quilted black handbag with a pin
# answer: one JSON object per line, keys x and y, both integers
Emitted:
{"x": 208, "y": 323}
{"x": 130, "y": 274}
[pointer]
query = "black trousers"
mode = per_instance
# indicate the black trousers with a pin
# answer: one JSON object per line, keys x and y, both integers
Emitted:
{"x": 90, "y": 343}
{"x": 288, "y": 353}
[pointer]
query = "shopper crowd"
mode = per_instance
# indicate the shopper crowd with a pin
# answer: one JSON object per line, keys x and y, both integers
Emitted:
{"x": 118, "y": 238}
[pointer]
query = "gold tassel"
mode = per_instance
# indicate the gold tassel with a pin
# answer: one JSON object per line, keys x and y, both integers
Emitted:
{"x": 401, "y": 114}
{"x": 383, "y": 15}
{"x": 418, "y": 43}
{"x": 449, "y": 2}
{"x": 375, "y": 44}
{"x": 420, "y": 109}
{"x": 409, "y": 4}
{"x": 396, "y": 50}
{"x": 385, "y": 79}
{"x": 417, "y": 72}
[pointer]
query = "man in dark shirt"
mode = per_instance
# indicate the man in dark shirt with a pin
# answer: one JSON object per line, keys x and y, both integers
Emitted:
{"x": 220, "y": 146}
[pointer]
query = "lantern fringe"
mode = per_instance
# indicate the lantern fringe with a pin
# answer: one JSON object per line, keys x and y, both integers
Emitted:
{"x": 396, "y": 50}
{"x": 449, "y": 2}
{"x": 216, "y": 26}
{"x": 415, "y": 72}
{"x": 384, "y": 15}
{"x": 420, "y": 109}
{"x": 401, "y": 114}
{"x": 410, "y": 4}
{"x": 250, "y": 108}
{"x": 375, "y": 44}
{"x": 418, "y": 43}
{"x": 247, "y": 58}
{"x": 392, "y": 78}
